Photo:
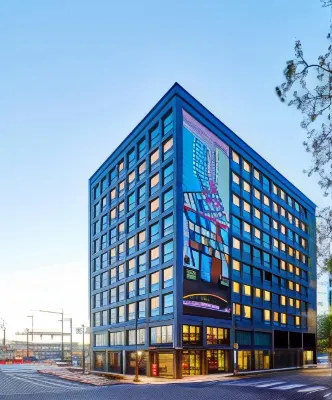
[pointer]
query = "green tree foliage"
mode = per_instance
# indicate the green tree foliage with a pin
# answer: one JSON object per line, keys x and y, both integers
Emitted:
{"x": 324, "y": 332}
{"x": 307, "y": 86}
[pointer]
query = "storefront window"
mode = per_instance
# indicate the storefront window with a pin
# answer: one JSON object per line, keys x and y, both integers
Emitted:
{"x": 217, "y": 335}
{"x": 191, "y": 334}
{"x": 262, "y": 359}
{"x": 114, "y": 362}
{"x": 217, "y": 361}
{"x": 244, "y": 360}
{"x": 99, "y": 361}
{"x": 191, "y": 363}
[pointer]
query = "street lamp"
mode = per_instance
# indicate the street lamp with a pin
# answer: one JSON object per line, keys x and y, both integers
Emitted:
{"x": 59, "y": 313}
{"x": 27, "y": 332}
{"x": 31, "y": 316}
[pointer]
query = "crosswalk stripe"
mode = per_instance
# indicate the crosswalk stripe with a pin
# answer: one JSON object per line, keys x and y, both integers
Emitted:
{"x": 288, "y": 387}
{"x": 270, "y": 384}
{"x": 68, "y": 385}
{"x": 312, "y": 389}
{"x": 327, "y": 395}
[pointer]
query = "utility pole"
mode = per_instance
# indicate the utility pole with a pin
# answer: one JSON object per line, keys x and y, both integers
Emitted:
{"x": 59, "y": 313}
{"x": 71, "y": 340}
{"x": 27, "y": 331}
{"x": 3, "y": 327}
{"x": 31, "y": 316}
{"x": 83, "y": 351}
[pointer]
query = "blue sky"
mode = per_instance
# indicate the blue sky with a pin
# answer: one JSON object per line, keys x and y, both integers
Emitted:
{"x": 77, "y": 76}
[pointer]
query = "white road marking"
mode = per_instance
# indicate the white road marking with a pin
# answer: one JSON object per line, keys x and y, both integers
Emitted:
{"x": 288, "y": 387}
{"x": 327, "y": 395}
{"x": 312, "y": 389}
{"x": 270, "y": 384}
{"x": 44, "y": 385}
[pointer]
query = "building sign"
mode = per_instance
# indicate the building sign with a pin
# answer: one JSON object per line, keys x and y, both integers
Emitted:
{"x": 206, "y": 290}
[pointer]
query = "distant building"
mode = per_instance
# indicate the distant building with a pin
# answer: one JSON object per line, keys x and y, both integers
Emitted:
{"x": 198, "y": 243}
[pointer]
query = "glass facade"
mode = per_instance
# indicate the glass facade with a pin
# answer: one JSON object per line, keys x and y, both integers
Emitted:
{"x": 193, "y": 236}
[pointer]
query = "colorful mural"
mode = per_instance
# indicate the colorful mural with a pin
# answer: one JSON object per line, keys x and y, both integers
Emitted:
{"x": 206, "y": 289}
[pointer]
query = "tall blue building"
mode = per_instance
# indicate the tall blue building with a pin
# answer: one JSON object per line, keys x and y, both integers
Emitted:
{"x": 197, "y": 244}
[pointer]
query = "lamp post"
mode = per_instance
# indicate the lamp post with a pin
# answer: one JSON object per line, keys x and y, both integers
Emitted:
{"x": 3, "y": 327}
{"x": 27, "y": 331}
{"x": 31, "y": 316}
{"x": 59, "y": 313}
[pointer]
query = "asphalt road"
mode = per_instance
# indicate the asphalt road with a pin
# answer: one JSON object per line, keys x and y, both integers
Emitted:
{"x": 18, "y": 382}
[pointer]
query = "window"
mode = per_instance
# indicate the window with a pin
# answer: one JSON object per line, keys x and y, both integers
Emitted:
{"x": 168, "y": 123}
{"x": 103, "y": 203}
{"x": 113, "y": 175}
{"x": 236, "y": 309}
{"x": 141, "y": 148}
{"x": 246, "y": 290}
{"x": 121, "y": 209}
{"x": 154, "y": 232}
{"x": 161, "y": 334}
{"x": 103, "y": 222}
{"x": 168, "y": 251}
{"x": 131, "y": 245}
{"x": 283, "y": 318}
{"x": 104, "y": 241}
{"x": 257, "y": 194}
{"x": 141, "y": 217}
{"x": 131, "y": 158}
{"x": 154, "y": 136}
{"x": 141, "y": 309}
{"x": 246, "y": 207}
{"x": 131, "y": 180}
{"x": 258, "y": 293}
{"x": 236, "y": 243}
{"x": 154, "y": 158}
{"x": 246, "y": 230}
{"x": 96, "y": 210}
{"x": 167, "y": 277}
{"x": 113, "y": 316}
{"x": 236, "y": 265}
{"x": 256, "y": 174}
{"x": 246, "y": 186}
{"x": 217, "y": 335}
{"x": 154, "y": 282}
{"x": 131, "y": 223}
{"x": 154, "y": 183}
{"x": 131, "y": 201}
{"x": 236, "y": 287}
{"x": 142, "y": 170}
{"x": 121, "y": 314}
{"x": 131, "y": 311}
{"x": 257, "y": 213}
{"x": 236, "y": 178}
{"x": 167, "y": 148}
{"x": 141, "y": 240}
{"x": 236, "y": 200}
{"x": 141, "y": 194}
{"x": 113, "y": 215}
{"x": 168, "y": 174}
{"x": 246, "y": 166}
{"x": 267, "y": 315}
{"x": 168, "y": 303}
{"x": 154, "y": 257}
{"x": 117, "y": 338}
{"x": 168, "y": 199}
{"x": 154, "y": 306}
{"x": 235, "y": 157}
{"x": 131, "y": 267}
{"x": 257, "y": 235}
{"x": 282, "y": 300}
{"x": 275, "y": 188}
{"x": 121, "y": 229}
{"x": 121, "y": 188}
{"x": 191, "y": 334}
{"x": 266, "y": 201}
{"x": 168, "y": 225}
{"x": 121, "y": 251}
{"x": 142, "y": 262}
{"x": 266, "y": 184}
{"x": 121, "y": 271}
{"x": 101, "y": 339}
{"x": 96, "y": 191}
{"x": 154, "y": 208}
{"x": 246, "y": 311}
{"x": 131, "y": 289}
{"x": 141, "y": 286}
{"x": 267, "y": 295}
{"x": 121, "y": 166}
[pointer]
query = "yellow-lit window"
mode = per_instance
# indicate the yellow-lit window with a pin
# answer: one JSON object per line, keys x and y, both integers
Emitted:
{"x": 235, "y": 157}
{"x": 275, "y": 207}
{"x": 154, "y": 181}
{"x": 141, "y": 237}
{"x": 297, "y": 304}
{"x": 283, "y": 318}
{"x": 257, "y": 233}
{"x": 113, "y": 194}
{"x": 257, "y": 194}
{"x": 258, "y": 292}
{"x": 297, "y": 321}
{"x": 290, "y": 268}
{"x": 246, "y": 186}
{"x": 290, "y": 285}
{"x": 297, "y": 254}
{"x": 236, "y": 243}
{"x": 236, "y": 287}
{"x": 282, "y": 246}
{"x": 121, "y": 186}
{"x": 236, "y": 200}
{"x": 257, "y": 174}
{"x": 131, "y": 177}
{"x": 142, "y": 168}
{"x": 282, "y": 212}
{"x": 296, "y": 222}
{"x": 274, "y": 224}
{"x": 246, "y": 206}
{"x": 121, "y": 166}
{"x": 266, "y": 201}
{"x": 303, "y": 243}
{"x": 303, "y": 226}
{"x": 113, "y": 213}
{"x": 282, "y": 300}
{"x": 246, "y": 311}
{"x": 121, "y": 206}
{"x": 282, "y": 265}
{"x": 154, "y": 205}
{"x": 246, "y": 290}
{"x": 290, "y": 218}
{"x": 283, "y": 229}
{"x": 275, "y": 188}
{"x": 297, "y": 271}
{"x": 168, "y": 145}
{"x": 267, "y": 295}
{"x": 291, "y": 302}
{"x": 246, "y": 166}
{"x": 257, "y": 213}
{"x": 236, "y": 178}
{"x": 276, "y": 317}
{"x": 282, "y": 194}
{"x": 236, "y": 309}
{"x": 275, "y": 243}
{"x": 236, "y": 265}
{"x": 297, "y": 287}
{"x": 247, "y": 227}
{"x": 154, "y": 157}
{"x": 267, "y": 315}
{"x": 290, "y": 251}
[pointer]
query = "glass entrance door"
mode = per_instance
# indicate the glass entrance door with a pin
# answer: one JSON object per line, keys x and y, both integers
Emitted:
{"x": 166, "y": 362}
{"x": 191, "y": 363}
{"x": 217, "y": 361}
